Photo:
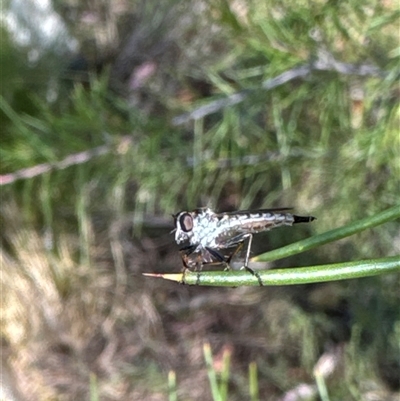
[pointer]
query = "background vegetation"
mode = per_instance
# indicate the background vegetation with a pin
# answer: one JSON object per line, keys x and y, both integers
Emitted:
{"x": 121, "y": 114}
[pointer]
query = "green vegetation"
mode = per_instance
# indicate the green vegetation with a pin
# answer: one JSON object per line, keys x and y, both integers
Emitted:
{"x": 183, "y": 104}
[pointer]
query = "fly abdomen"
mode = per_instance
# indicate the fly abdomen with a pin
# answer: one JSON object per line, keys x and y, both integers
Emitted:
{"x": 263, "y": 221}
{"x": 303, "y": 219}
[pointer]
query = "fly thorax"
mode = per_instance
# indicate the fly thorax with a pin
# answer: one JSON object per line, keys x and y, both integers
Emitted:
{"x": 206, "y": 228}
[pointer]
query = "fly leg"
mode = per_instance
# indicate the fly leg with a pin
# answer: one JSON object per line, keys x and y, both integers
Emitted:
{"x": 219, "y": 259}
{"x": 234, "y": 253}
{"x": 190, "y": 260}
{"x": 185, "y": 267}
{"x": 196, "y": 265}
{"x": 246, "y": 261}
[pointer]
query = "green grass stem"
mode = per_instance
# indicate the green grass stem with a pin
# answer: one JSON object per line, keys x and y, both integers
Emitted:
{"x": 330, "y": 236}
{"x": 299, "y": 275}
{"x": 94, "y": 388}
{"x": 212, "y": 375}
{"x": 225, "y": 373}
{"x": 172, "y": 393}
{"x": 253, "y": 382}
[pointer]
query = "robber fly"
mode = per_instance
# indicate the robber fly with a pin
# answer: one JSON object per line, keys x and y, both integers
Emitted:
{"x": 214, "y": 238}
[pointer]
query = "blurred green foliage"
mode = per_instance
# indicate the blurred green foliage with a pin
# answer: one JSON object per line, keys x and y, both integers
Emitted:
{"x": 327, "y": 144}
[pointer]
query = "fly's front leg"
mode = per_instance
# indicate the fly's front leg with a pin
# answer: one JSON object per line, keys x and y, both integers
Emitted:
{"x": 196, "y": 265}
{"x": 185, "y": 267}
{"x": 190, "y": 260}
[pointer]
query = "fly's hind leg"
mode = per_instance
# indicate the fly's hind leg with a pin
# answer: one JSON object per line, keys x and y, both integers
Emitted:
{"x": 246, "y": 261}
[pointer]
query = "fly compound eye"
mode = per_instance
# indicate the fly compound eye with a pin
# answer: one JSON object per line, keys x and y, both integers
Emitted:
{"x": 186, "y": 222}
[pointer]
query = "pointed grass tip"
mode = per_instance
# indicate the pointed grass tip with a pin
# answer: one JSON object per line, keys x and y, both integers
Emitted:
{"x": 173, "y": 277}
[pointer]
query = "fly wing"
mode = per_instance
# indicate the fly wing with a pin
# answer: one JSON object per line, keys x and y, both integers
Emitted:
{"x": 254, "y": 211}
{"x": 233, "y": 241}
{"x": 282, "y": 210}
{"x": 235, "y": 227}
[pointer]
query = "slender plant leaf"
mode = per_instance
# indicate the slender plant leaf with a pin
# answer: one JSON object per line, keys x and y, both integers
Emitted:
{"x": 299, "y": 275}
{"x": 226, "y": 362}
{"x": 253, "y": 382}
{"x": 94, "y": 388}
{"x": 212, "y": 375}
{"x": 172, "y": 393}
{"x": 333, "y": 235}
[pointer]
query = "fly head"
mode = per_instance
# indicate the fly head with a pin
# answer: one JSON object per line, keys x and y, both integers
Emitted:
{"x": 184, "y": 227}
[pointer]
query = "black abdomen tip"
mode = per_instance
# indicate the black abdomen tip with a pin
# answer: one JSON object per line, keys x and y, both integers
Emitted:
{"x": 303, "y": 219}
